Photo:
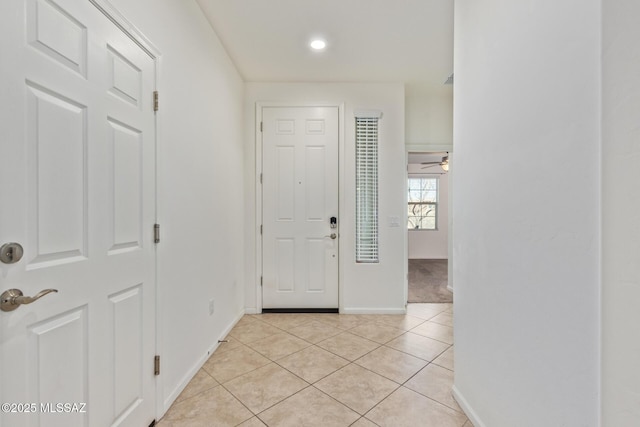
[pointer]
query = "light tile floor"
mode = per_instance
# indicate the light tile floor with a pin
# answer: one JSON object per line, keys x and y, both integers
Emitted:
{"x": 328, "y": 370}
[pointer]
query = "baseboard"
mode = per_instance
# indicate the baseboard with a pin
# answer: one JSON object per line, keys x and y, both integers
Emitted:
{"x": 464, "y": 405}
{"x": 300, "y": 310}
{"x": 251, "y": 310}
{"x": 194, "y": 370}
{"x": 358, "y": 310}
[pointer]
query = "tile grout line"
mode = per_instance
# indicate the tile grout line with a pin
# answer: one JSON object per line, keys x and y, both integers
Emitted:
{"x": 256, "y": 414}
{"x": 316, "y": 345}
{"x": 422, "y": 394}
{"x": 350, "y": 363}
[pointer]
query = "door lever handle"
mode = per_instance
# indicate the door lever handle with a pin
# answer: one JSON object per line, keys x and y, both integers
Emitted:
{"x": 332, "y": 235}
{"x": 13, "y": 298}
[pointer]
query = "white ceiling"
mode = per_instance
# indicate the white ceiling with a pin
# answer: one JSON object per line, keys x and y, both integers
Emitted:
{"x": 409, "y": 41}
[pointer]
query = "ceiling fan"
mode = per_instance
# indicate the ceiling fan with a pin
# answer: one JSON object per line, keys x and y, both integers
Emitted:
{"x": 444, "y": 163}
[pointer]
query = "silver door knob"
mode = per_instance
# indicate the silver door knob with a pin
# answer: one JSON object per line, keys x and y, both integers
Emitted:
{"x": 13, "y": 298}
{"x": 11, "y": 253}
{"x": 332, "y": 235}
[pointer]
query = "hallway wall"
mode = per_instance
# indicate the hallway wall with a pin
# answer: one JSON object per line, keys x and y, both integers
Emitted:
{"x": 200, "y": 182}
{"x": 620, "y": 214}
{"x": 429, "y": 116}
{"x": 366, "y": 287}
{"x": 527, "y": 242}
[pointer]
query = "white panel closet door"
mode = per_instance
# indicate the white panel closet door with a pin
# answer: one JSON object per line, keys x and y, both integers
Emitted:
{"x": 77, "y": 191}
{"x": 300, "y": 195}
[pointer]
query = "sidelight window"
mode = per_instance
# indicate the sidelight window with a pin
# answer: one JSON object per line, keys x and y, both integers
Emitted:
{"x": 367, "y": 188}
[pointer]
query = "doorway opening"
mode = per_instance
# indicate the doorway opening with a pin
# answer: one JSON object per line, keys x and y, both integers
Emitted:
{"x": 429, "y": 227}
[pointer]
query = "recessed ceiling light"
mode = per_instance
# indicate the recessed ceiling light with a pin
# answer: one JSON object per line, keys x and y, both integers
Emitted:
{"x": 318, "y": 44}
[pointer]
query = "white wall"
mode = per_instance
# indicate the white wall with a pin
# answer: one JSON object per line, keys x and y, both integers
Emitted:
{"x": 365, "y": 288}
{"x": 432, "y": 244}
{"x": 429, "y": 115}
{"x": 621, "y": 214}
{"x": 527, "y": 240}
{"x": 201, "y": 254}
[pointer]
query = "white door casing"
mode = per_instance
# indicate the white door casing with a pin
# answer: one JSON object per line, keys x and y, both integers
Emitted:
{"x": 299, "y": 196}
{"x": 78, "y": 192}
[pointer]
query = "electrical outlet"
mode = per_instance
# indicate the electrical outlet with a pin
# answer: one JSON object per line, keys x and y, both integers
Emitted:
{"x": 211, "y": 307}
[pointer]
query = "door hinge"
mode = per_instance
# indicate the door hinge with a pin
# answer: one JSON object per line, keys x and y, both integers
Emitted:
{"x": 260, "y": 126}
{"x": 156, "y": 365}
{"x": 260, "y": 178}
{"x": 156, "y": 105}
{"x": 260, "y": 280}
{"x": 261, "y": 229}
{"x": 156, "y": 233}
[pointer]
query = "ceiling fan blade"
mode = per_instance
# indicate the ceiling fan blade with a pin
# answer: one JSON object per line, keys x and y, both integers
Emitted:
{"x": 430, "y": 163}
{"x": 430, "y": 166}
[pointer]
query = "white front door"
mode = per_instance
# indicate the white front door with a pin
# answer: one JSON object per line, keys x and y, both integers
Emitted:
{"x": 77, "y": 191}
{"x": 300, "y": 196}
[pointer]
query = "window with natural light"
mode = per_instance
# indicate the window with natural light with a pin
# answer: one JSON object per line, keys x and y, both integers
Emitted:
{"x": 367, "y": 189}
{"x": 423, "y": 203}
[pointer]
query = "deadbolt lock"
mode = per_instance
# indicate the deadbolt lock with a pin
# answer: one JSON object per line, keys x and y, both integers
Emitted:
{"x": 10, "y": 253}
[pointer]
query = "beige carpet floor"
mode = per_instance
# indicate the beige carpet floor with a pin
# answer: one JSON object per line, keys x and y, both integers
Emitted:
{"x": 428, "y": 281}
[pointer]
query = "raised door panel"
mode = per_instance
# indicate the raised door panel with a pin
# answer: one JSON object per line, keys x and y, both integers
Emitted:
{"x": 125, "y": 182}
{"x": 285, "y": 189}
{"x": 59, "y": 351}
{"x": 57, "y": 177}
{"x": 285, "y": 272}
{"x": 126, "y": 320}
{"x": 316, "y": 249}
{"x": 56, "y": 33}
{"x": 315, "y": 183}
{"x": 125, "y": 78}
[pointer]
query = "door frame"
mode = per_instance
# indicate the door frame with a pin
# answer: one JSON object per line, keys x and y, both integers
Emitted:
{"x": 120, "y": 21}
{"x": 258, "y": 186}
{"x": 428, "y": 148}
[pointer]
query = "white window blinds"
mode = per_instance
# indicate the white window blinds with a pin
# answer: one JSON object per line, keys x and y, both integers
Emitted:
{"x": 367, "y": 189}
